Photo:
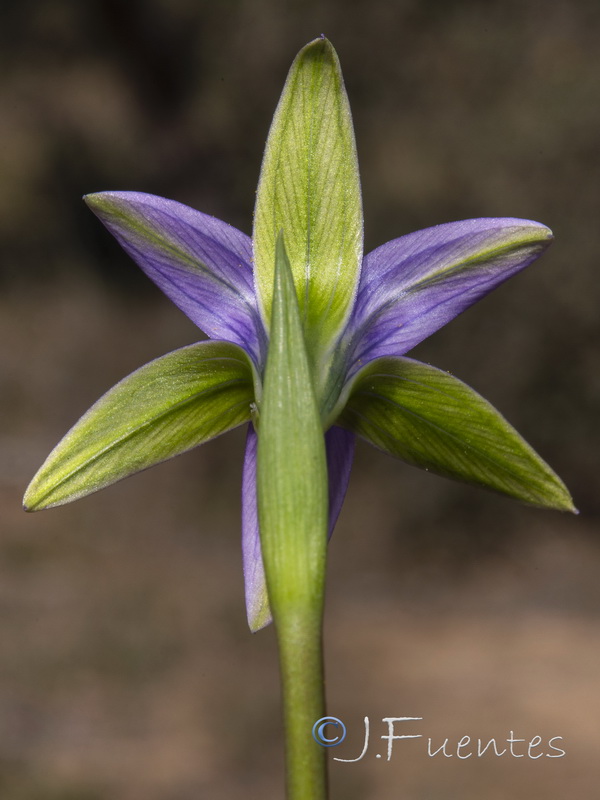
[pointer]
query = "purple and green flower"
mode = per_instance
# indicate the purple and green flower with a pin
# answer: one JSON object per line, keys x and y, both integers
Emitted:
{"x": 307, "y": 347}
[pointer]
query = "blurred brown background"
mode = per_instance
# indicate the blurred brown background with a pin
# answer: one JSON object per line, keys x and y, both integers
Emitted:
{"x": 126, "y": 668}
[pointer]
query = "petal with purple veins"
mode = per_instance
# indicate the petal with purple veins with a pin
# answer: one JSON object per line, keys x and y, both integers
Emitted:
{"x": 339, "y": 444}
{"x": 202, "y": 264}
{"x": 412, "y": 286}
{"x": 257, "y": 601}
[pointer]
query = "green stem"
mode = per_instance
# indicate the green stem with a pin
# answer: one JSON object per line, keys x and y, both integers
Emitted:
{"x": 292, "y": 510}
{"x": 302, "y": 678}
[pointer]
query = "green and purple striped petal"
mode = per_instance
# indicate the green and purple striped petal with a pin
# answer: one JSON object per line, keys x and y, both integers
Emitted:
{"x": 202, "y": 264}
{"x": 412, "y": 286}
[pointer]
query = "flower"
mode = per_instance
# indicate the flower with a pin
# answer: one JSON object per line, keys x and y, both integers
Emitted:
{"x": 360, "y": 317}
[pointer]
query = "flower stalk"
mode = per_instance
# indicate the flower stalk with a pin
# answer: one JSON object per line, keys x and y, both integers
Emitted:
{"x": 293, "y": 522}
{"x": 300, "y": 643}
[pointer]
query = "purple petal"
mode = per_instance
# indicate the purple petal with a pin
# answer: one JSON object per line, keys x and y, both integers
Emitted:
{"x": 414, "y": 285}
{"x": 339, "y": 445}
{"x": 202, "y": 264}
{"x": 257, "y": 601}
